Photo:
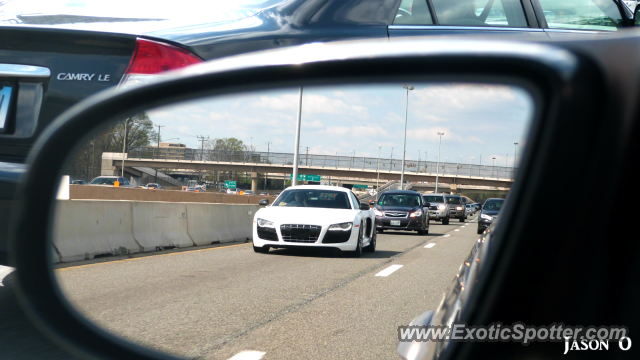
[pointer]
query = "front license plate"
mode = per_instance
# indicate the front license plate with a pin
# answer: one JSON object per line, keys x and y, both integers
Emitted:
{"x": 395, "y": 222}
{"x": 5, "y": 98}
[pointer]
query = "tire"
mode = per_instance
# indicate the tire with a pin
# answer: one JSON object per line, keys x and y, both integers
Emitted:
{"x": 374, "y": 239}
{"x": 261, "y": 250}
{"x": 480, "y": 231}
{"x": 358, "y": 251}
{"x": 381, "y": 231}
{"x": 462, "y": 219}
{"x": 445, "y": 221}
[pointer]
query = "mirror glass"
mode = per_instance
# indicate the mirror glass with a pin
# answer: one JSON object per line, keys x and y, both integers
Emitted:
{"x": 159, "y": 237}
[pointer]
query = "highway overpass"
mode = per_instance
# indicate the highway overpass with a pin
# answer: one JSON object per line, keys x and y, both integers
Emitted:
{"x": 112, "y": 163}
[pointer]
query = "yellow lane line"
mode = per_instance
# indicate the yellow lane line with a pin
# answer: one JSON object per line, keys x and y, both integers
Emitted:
{"x": 148, "y": 257}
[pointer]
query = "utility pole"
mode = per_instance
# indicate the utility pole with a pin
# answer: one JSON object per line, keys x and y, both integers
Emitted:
{"x": 404, "y": 144}
{"x": 306, "y": 159}
{"x": 202, "y": 139}
{"x": 378, "y": 179}
{"x": 296, "y": 154}
{"x": 159, "y": 126}
{"x": 418, "y": 169}
{"x": 265, "y": 174}
{"x": 515, "y": 157}
{"x": 391, "y": 164}
{"x": 124, "y": 146}
{"x": 438, "y": 163}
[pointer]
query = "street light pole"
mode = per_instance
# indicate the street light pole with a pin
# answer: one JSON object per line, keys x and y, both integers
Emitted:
{"x": 404, "y": 146}
{"x": 438, "y": 163}
{"x": 378, "y": 179}
{"x": 418, "y": 168}
{"x": 515, "y": 157}
{"x": 296, "y": 154}
{"x": 391, "y": 164}
{"x": 124, "y": 147}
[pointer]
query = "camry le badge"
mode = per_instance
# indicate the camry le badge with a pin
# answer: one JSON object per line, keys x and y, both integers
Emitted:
{"x": 83, "y": 77}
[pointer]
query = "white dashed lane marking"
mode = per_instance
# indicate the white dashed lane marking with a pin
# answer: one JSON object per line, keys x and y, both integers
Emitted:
{"x": 456, "y": 230}
{"x": 390, "y": 270}
{"x": 429, "y": 246}
{"x": 446, "y": 235}
{"x": 248, "y": 355}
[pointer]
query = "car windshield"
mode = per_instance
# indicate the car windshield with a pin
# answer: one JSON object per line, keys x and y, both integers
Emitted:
{"x": 314, "y": 198}
{"x": 407, "y": 200}
{"x": 433, "y": 199}
{"x": 454, "y": 200}
{"x": 103, "y": 181}
{"x": 493, "y": 205}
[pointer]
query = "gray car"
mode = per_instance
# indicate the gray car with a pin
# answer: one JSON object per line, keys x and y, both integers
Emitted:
{"x": 438, "y": 209}
{"x": 456, "y": 207}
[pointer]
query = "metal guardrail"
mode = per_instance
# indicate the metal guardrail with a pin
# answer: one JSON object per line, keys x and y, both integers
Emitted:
{"x": 324, "y": 161}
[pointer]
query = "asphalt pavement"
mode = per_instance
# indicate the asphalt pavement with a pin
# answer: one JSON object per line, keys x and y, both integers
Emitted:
{"x": 227, "y": 301}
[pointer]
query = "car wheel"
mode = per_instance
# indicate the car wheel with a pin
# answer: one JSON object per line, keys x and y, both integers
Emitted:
{"x": 445, "y": 221}
{"x": 381, "y": 231}
{"x": 461, "y": 219}
{"x": 358, "y": 252}
{"x": 261, "y": 250}
{"x": 479, "y": 231}
{"x": 372, "y": 245}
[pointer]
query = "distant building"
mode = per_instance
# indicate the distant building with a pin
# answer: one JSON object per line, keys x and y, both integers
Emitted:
{"x": 170, "y": 151}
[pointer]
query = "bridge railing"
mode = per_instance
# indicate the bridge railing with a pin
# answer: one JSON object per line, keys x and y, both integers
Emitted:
{"x": 324, "y": 161}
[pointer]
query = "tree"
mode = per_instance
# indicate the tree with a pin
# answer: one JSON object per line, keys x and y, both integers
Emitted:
{"x": 140, "y": 133}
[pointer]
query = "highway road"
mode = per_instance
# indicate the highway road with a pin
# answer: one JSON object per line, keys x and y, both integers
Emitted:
{"x": 218, "y": 302}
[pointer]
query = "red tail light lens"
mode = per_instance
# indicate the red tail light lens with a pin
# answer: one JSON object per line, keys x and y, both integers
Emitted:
{"x": 152, "y": 57}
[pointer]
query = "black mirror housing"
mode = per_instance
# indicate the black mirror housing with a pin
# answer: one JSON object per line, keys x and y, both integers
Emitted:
{"x": 364, "y": 206}
{"x": 264, "y": 202}
{"x": 427, "y": 204}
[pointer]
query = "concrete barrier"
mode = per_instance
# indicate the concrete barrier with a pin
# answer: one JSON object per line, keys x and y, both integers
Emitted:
{"x": 84, "y": 229}
{"x": 220, "y": 223}
{"x": 157, "y": 225}
{"x": 92, "y": 192}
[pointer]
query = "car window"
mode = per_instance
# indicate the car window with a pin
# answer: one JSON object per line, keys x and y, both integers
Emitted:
{"x": 314, "y": 198}
{"x": 354, "y": 199}
{"x": 504, "y": 13}
{"x": 453, "y": 200}
{"x": 400, "y": 200}
{"x": 102, "y": 181}
{"x": 581, "y": 14}
{"x": 413, "y": 12}
{"x": 493, "y": 205}
{"x": 433, "y": 199}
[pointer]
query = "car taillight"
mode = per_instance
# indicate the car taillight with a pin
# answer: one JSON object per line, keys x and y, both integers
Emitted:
{"x": 152, "y": 58}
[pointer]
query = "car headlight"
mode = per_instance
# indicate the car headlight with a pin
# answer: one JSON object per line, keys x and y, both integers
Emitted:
{"x": 458, "y": 207}
{"x": 486, "y": 217}
{"x": 377, "y": 212}
{"x": 442, "y": 207}
{"x": 265, "y": 223}
{"x": 416, "y": 213}
{"x": 341, "y": 227}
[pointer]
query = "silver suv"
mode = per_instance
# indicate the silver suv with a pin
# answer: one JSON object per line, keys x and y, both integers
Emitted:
{"x": 457, "y": 208}
{"x": 438, "y": 209}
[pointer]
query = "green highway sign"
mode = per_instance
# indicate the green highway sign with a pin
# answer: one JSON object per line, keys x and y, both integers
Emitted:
{"x": 302, "y": 177}
{"x": 360, "y": 186}
{"x": 230, "y": 184}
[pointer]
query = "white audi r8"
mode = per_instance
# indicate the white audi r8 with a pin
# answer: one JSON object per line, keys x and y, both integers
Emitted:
{"x": 315, "y": 216}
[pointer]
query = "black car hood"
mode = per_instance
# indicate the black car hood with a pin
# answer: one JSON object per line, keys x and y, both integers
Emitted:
{"x": 397, "y": 208}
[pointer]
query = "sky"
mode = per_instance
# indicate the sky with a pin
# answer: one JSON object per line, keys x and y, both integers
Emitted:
{"x": 477, "y": 120}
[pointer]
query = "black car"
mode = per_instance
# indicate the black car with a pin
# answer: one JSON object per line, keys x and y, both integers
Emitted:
{"x": 456, "y": 207}
{"x": 402, "y": 210}
{"x": 50, "y": 62}
{"x": 489, "y": 213}
{"x": 79, "y": 182}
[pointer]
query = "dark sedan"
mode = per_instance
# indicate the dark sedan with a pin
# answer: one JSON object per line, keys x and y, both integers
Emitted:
{"x": 401, "y": 210}
{"x": 489, "y": 213}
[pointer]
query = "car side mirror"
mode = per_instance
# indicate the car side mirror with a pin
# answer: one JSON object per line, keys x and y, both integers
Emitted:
{"x": 427, "y": 204}
{"x": 364, "y": 206}
{"x": 264, "y": 202}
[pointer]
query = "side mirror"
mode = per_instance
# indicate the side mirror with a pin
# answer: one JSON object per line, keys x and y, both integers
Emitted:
{"x": 427, "y": 204}
{"x": 364, "y": 206}
{"x": 264, "y": 202}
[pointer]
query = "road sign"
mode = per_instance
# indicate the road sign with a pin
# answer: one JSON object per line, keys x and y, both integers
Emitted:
{"x": 230, "y": 184}
{"x": 360, "y": 186}
{"x": 302, "y": 177}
